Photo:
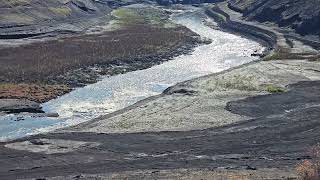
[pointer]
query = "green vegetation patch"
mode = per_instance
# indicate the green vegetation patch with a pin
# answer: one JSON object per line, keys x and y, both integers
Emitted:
{"x": 148, "y": 15}
{"x": 243, "y": 83}
{"x": 61, "y": 11}
{"x": 274, "y": 89}
{"x": 239, "y": 82}
{"x": 15, "y": 18}
{"x": 283, "y": 53}
{"x": 127, "y": 16}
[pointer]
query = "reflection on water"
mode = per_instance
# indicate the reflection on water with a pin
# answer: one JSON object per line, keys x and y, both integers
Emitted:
{"x": 116, "y": 92}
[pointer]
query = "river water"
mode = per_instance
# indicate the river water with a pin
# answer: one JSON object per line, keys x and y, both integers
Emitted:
{"x": 116, "y": 92}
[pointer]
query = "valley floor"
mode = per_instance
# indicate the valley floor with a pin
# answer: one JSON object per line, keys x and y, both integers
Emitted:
{"x": 40, "y": 69}
{"x": 256, "y": 121}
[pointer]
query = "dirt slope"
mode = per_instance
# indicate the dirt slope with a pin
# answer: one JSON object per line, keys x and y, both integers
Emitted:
{"x": 33, "y": 17}
{"x": 301, "y": 15}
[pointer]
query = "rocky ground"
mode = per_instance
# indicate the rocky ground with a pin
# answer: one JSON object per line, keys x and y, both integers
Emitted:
{"x": 302, "y": 16}
{"x": 256, "y": 121}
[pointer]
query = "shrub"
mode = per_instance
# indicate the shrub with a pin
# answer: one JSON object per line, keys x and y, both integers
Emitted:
{"x": 274, "y": 89}
{"x": 310, "y": 169}
{"x": 239, "y": 82}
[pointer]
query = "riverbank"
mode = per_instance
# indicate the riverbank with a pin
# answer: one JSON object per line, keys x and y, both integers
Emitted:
{"x": 256, "y": 120}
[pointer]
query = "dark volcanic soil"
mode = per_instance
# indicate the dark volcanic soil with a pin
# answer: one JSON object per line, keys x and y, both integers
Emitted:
{"x": 301, "y": 15}
{"x": 277, "y": 138}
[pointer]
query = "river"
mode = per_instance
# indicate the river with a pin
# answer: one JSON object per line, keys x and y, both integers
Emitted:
{"x": 116, "y": 92}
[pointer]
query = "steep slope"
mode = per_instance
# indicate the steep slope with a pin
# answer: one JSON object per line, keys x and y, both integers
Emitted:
{"x": 23, "y": 12}
{"x": 26, "y": 17}
{"x": 301, "y": 15}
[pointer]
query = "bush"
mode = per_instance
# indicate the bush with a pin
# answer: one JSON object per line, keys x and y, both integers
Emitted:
{"x": 310, "y": 169}
{"x": 274, "y": 89}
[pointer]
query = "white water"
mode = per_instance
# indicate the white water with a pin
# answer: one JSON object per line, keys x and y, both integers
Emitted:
{"x": 116, "y": 92}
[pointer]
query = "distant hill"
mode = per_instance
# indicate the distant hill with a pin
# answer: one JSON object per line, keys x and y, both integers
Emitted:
{"x": 29, "y": 17}
{"x": 169, "y": 2}
{"x": 301, "y": 15}
{"x": 24, "y": 12}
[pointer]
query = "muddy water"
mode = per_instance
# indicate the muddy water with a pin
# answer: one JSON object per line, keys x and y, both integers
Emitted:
{"x": 116, "y": 92}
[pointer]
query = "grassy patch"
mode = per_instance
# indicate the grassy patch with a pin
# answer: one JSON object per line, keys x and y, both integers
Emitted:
{"x": 127, "y": 16}
{"x": 274, "y": 89}
{"x": 61, "y": 11}
{"x": 245, "y": 83}
{"x": 283, "y": 53}
{"x": 15, "y": 18}
{"x": 148, "y": 15}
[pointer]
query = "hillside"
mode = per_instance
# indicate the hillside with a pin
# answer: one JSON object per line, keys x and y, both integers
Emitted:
{"x": 301, "y": 15}
{"x": 25, "y": 12}
{"x": 27, "y": 17}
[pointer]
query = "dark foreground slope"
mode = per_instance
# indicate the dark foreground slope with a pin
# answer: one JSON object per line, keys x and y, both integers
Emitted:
{"x": 301, "y": 15}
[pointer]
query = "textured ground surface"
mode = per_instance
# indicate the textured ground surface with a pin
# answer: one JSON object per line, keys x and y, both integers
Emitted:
{"x": 201, "y": 103}
{"x": 276, "y": 138}
{"x": 301, "y": 15}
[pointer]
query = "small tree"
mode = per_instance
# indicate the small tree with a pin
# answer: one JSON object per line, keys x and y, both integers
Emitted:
{"x": 310, "y": 169}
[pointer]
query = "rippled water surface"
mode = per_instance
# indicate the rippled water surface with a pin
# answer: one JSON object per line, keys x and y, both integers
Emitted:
{"x": 116, "y": 92}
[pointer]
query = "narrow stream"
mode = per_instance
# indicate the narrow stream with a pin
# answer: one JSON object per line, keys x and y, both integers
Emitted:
{"x": 116, "y": 92}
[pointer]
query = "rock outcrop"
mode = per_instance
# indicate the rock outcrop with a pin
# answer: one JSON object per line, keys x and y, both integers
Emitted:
{"x": 19, "y": 105}
{"x": 301, "y": 15}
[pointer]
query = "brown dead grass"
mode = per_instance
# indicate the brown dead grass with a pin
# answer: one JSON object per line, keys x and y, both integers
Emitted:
{"x": 41, "y": 62}
{"x": 33, "y": 92}
{"x": 310, "y": 169}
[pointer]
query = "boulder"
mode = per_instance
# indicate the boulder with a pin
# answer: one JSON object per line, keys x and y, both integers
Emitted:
{"x": 19, "y": 105}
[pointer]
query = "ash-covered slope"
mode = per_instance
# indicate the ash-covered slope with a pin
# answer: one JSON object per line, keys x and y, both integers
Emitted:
{"x": 301, "y": 15}
{"x": 26, "y": 12}
{"x": 27, "y": 17}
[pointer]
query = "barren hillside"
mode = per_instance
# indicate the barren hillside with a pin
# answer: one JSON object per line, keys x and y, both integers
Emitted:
{"x": 301, "y": 15}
